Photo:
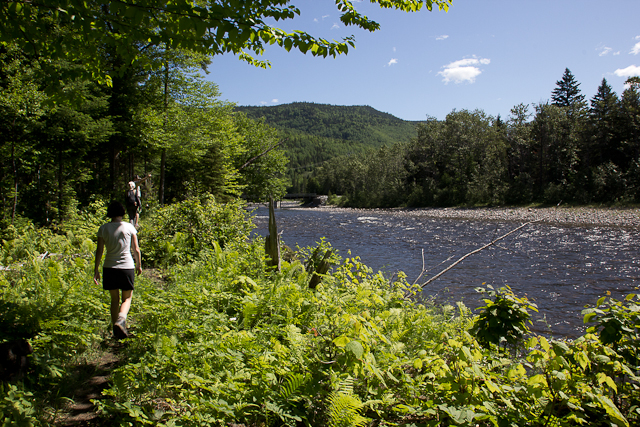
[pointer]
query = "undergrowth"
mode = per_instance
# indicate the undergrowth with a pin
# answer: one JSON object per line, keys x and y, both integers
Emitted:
{"x": 225, "y": 340}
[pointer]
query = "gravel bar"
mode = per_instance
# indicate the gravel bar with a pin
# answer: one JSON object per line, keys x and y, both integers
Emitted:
{"x": 561, "y": 216}
{"x": 580, "y": 216}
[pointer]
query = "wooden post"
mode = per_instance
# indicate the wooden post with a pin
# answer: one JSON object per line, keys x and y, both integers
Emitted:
{"x": 272, "y": 243}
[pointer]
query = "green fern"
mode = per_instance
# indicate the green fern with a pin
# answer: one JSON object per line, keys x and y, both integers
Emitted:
{"x": 293, "y": 383}
{"x": 344, "y": 407}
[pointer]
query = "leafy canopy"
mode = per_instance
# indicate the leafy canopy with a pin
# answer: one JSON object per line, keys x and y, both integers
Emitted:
{"x": 79, "y": 30}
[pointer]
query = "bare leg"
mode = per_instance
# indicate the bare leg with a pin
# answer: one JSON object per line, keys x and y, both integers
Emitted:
{"x": 115, "y": 304}
{"x": 116, "y": 308}
{"x": 126, "y": 302}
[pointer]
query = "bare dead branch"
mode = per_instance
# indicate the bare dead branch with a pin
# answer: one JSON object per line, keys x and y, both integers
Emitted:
{"x": 475, "y": 252}
{"x": 251, "y": 160}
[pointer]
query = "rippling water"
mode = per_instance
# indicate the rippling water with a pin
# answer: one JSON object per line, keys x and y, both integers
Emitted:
{"x": 561, "y": 268}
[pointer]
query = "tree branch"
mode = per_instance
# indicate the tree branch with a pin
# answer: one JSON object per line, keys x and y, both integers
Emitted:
{"x": 260, "y": 155}
{"x": 475, "y": 252}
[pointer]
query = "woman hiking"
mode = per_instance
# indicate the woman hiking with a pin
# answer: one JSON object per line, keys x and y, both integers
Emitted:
{"x": 132, "y": 200}
{"x": 118, "y": 270}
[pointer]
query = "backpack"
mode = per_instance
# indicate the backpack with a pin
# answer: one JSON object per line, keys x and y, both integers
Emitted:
{"x": 130, "y": 198}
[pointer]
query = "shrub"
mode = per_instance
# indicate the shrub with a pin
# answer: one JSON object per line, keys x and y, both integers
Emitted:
{"x": 178, "y": 233}
{"x": 503, "y": 320}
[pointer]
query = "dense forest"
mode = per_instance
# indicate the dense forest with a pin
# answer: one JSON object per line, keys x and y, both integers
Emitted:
{"x": 58, "y": 151}
{"x": 315, "y": 133}
{"x": 566, "y": 150}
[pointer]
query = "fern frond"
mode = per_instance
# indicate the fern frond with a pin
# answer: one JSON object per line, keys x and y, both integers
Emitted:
{"x": 344, "y": 410}
{"x": 293, "y": 383}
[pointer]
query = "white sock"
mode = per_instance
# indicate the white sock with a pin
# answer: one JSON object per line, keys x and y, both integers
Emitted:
{"x": 122, "y": 316}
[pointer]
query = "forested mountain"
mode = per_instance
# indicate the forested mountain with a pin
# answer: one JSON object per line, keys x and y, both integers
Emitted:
{"x": 315, "y": 133}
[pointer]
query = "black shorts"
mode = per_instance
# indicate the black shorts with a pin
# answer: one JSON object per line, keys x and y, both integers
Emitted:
{"x": 132, "y": 211}
{"x": 118, "y": 278}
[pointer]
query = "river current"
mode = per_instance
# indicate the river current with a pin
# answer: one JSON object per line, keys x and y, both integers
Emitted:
{"x": 562, "y": 269}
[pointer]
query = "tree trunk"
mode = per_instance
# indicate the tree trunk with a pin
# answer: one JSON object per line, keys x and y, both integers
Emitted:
{"x": 15, "y": 180}
{"x": 131, "y": 166}
{"x": 60, "y": 184}
{"x": 163, "y": 161}
{"x": 112, "y": 170}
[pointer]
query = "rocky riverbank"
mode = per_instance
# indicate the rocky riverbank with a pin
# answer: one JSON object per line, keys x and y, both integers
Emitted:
{"x": 581, "y": 216}
{"x": 562, "y": 216}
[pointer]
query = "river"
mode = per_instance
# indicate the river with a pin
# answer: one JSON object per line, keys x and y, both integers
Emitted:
{"x": 560, "y": 268}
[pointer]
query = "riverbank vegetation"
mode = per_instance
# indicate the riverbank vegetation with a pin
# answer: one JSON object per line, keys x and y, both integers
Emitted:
{"x": 221, "y": 339}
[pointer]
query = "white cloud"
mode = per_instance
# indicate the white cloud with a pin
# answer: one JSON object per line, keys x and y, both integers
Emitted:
{"x": 604, "y": 50}
{"x": 631, "y": 70}
{"x": 636, "y": 48}
{"x": 394, "y": 48}
{"x": 274, "y": 100}
{"x": 616, "y": 53}
{"x": 335, "y": 26}
{"x": 325, "y": 16}
{"x": 464, "y": 70}
{"x": 442, "y": 37}
{"x": 393, "y": 61}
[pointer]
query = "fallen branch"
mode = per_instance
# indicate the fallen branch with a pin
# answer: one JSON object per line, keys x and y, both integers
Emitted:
{"x": 475, "y": 252}
{"x": 251, "y": 160}
{"x": 424, "y": 270}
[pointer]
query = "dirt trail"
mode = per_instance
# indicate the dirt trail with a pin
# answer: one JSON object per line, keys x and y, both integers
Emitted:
{"x": 82, "y": 411}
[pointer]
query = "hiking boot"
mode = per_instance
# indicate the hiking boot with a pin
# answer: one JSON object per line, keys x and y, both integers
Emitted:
{"x": 120, "y": 328}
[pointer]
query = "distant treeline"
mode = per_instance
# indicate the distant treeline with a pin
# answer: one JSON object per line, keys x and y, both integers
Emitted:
{"x": 566, "y": 150}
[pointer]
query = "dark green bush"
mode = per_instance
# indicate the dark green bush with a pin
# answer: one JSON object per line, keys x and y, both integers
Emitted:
{"x": 178, "y": 233}
{"x": 503, "y": 320}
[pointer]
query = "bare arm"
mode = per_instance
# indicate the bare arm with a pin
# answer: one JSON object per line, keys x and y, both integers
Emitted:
{"x": 99, "y": 251}
{"x": 136, "y": 253}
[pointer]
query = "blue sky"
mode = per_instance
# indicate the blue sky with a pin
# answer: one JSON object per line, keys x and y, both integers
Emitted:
{"x": 482, "y": 54}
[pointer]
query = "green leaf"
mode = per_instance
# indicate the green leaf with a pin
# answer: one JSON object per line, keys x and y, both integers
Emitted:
{"x": 537, "y": 379}
{"x": 356, "y": 348}
{"x": 184, "y": 24}
{"x": 582, "y": 359}
{"x": 588, "y": 315}
{"x": 342, "y": 341}
{"x": 613, "y": 411}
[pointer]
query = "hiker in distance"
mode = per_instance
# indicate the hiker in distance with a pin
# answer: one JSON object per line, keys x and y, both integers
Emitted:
{"x": 139, "y": 182}
{"x": 118, "y": 270}
{"x": 133, "y": 203}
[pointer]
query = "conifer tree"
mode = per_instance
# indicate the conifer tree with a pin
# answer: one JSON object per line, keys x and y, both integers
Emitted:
{"x": 567, "y": 93}
{"x": 604, "y": 114}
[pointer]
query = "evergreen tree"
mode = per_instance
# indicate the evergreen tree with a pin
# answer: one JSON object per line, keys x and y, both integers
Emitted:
{"x": 520, "y": 156}
{"x": 567, "y": 93}
{"x": 604, "y": 113}
{"x": 630, "y": 136}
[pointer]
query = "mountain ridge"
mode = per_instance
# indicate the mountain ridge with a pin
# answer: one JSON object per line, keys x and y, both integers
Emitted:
{"x": 315, "y": 133}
